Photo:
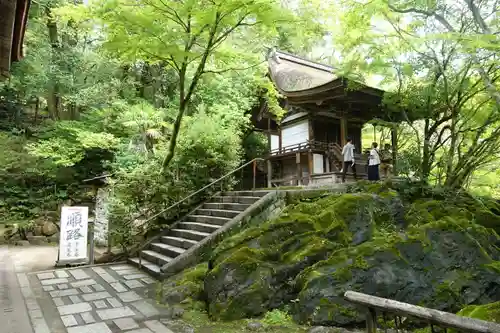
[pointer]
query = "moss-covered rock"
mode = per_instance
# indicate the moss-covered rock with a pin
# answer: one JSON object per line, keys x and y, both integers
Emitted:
{"x": 185, "y": 288}
{"x": 417, "y": 245}
{"x": 488, "y": 312}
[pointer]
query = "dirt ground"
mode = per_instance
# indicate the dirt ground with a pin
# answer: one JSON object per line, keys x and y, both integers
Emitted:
{"x": 32, "y": 258}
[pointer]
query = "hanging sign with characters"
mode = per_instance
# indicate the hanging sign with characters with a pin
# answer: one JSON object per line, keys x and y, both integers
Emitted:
{"x": 73, "y": 238}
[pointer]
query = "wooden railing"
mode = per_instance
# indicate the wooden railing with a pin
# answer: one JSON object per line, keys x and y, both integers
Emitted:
{"x": 303, "y": 146}
{"x": 434, "y": 318}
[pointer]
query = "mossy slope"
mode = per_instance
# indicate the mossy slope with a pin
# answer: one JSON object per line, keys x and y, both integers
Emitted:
{"x": 413, "y": 244}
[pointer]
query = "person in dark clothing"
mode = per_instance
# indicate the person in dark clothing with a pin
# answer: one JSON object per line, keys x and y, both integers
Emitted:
{"x": 374, "y": 163}
{"x": 348, "y": 156}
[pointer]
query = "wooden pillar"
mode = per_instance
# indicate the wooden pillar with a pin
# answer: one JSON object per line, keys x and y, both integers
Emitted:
{"x": 327, "y": 164}
{"x": 269, "y": 134}
{"x": 311, "y": 129}
{"x": 299, "y": 169}
{"x": 371, "y": 321}
{"x": 343, "y": 130}
{"x": 394, "y": 142}
{"x": 269, "y": 173}
{"x": 280, "y": 144}
{"x": 310, "y": 165}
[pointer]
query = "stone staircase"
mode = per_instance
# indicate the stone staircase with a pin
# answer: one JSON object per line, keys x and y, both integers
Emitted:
{"x": 188, "y": 232}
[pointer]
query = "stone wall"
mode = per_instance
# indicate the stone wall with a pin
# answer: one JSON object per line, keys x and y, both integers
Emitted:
{"x": 101, "y": 222}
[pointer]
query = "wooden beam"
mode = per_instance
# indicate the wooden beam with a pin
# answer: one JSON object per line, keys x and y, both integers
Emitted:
{"x": 431, "y": 316}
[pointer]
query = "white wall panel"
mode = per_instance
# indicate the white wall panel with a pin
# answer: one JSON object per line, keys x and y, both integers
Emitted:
{"x": 295, "y": 133}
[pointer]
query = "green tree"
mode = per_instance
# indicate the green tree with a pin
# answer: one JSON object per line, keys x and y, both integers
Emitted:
{"x": 192, "y": 37}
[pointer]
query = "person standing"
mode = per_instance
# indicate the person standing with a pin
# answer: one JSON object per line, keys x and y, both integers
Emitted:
{"x": 348, "y": 156}
{"x": 386, "y": 160}
{"x": 374, "y": 163}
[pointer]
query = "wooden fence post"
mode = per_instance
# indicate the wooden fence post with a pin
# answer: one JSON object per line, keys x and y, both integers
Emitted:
{"x": 371, "y": 321}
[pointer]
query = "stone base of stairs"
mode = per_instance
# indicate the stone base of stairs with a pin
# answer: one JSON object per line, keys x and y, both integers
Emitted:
{"x": 196, "y": 228}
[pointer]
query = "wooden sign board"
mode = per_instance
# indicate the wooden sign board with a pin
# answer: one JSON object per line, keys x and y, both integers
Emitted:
{"x": 73, "y": 235}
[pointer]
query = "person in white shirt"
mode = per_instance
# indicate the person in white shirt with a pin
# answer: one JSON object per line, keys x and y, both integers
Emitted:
{"x": 374, "y": 163}
{"x": 348, "y": 155}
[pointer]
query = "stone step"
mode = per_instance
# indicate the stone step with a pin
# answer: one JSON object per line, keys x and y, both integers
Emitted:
{"x": 168, "y": 250}
{"x": 201, "y": 227}
{"x": 236, "y": 199}
{"x": 178, "y": 241}
{"x": 146, "y": 265}
{"x": 259, "y": 194}
{"x": 218, "y": 212}
{"x": 155, "y": 257}
{"x": 208, "y": 219}
{"x": 226, "y": 206}
{"x": 189, "y": 234}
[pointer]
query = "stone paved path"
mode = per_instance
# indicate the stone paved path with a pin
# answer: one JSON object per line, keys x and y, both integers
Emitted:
{"x": 99, "y": 299}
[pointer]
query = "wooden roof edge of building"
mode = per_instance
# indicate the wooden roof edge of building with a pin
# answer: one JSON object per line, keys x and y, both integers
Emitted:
{"x": 336, "y": 82}
{"x": 22, "y": 10}
{"x": 300, "y": 60}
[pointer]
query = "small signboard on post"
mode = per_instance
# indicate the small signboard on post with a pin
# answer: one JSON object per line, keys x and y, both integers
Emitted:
{"x": 73, "y": 237}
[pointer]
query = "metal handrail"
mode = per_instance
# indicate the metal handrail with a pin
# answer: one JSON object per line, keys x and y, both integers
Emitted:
{"x": 193, "y": 194}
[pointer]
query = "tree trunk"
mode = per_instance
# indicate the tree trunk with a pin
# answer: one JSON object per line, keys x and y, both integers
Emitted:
{"x": 53, "y": 100}
{"x": 426, "y": 156}
{"x": 175, "y": 132}
{"x": 453, "y": 147}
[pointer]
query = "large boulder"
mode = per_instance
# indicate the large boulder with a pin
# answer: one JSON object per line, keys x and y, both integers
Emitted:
{"x": 430, "y": 251}
{"x": 255, "y": 270}
{"x": 49, "y": 228}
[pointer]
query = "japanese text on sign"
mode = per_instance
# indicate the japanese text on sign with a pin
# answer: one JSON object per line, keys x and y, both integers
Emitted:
{"x": 73, "y": 239}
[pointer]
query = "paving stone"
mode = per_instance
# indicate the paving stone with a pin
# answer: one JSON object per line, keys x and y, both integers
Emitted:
{"x": 118, "y": 287}
{"x": 141, "y": 330}
{"x": 61, "y": 293}
{"x": 53, "y": 281}
{"x": 86, "y": 290}
{"x": 36, "y": 313}
{"x": 128, "y": 272}
{"x": 62, "y": 286}
{"x": 48, "y": 288}
{"x": 90, "y": 328}
{"x": 148, "y": 280}
{"x": 126, "y": 323}
{"x": 135, "y": 276}
{"x": 120, "y": 267}
{"x": 100, "y": 304}
{"x": 129, "y": 296}
{"x": 74, "y": 308}
{"x": 96, "y": 296}
{"x": 58, "y": 301}
{"x": 133, "y": 284}
{"x": 157, "y": 327}
{"x": 61, "y": 274}
{"x": 99, "y": 270}
{"x": 98, "y": 287}
{"x": 43, "y": 276}
{"x": 40, "y": 325}
{"x": 83, "y": 283}
{"x": 87, "y": 317}
{"x": 78, "y": 274}
{"x": 115, "y": 313}
{"x": 75, "y": 299}
{"x": 147, "y": 309}
{"x": 107, "y": 277}
{"x": 69, "y": 320}
{"x": 114, "y": 302}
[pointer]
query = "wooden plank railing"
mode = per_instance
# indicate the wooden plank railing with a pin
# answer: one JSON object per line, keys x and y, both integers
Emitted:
{"x": 432, "y": 317}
